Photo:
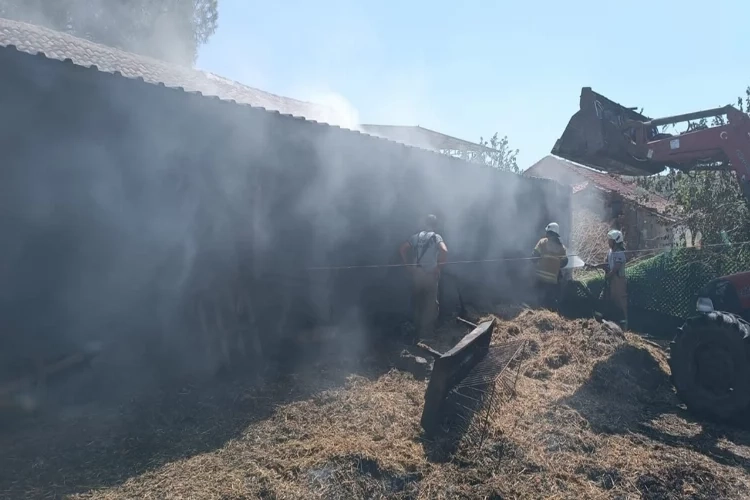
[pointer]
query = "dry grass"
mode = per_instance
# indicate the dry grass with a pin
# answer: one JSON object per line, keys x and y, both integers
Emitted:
{"x": 595, "y": 417}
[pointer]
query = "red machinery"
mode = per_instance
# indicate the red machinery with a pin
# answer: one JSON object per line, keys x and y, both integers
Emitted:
{"x": 710, "y": 356}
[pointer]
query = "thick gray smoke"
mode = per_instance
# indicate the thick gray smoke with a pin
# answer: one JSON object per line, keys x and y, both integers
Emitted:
{"x": 168, "y": 30}
{"x": 124, "y": 202}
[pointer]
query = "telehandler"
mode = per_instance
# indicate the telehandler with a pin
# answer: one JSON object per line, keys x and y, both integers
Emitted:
{"x": 710, "y": 355}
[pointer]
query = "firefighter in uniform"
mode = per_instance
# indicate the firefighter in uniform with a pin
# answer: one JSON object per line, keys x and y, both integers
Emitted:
{"x": 551, "y": 257}
{"x": 615, "y": 292}
{"x": 428, "y": 255}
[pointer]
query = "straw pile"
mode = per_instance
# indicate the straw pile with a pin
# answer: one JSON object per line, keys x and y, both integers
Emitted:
{"x": 595, "y": 417}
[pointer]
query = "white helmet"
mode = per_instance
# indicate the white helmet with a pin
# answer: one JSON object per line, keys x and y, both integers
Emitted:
{"x": 615, "y": 236}
{"x": 553, "y": 227}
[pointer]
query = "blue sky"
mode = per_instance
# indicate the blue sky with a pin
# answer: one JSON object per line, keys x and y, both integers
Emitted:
{"x": 472, "y": 68}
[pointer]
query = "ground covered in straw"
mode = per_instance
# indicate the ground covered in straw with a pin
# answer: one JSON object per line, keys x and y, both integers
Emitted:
{"x": 594, "y": 417}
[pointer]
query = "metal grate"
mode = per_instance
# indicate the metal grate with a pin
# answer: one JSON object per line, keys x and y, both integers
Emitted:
{"x": 470, "y": 403}
{"x": 451, "y": 368}
{"x": 481, "y": 390}
{"x": 495, "y": 362}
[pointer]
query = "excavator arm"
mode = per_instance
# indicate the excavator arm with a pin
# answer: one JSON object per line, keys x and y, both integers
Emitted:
{"x": 608, "y": 136}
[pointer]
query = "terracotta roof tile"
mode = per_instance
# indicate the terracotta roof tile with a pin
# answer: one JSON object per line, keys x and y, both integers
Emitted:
{"x": 34, "y": 39}
{"x": 607, "y": 182}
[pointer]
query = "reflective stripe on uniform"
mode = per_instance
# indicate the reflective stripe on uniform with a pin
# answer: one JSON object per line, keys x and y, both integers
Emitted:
{"x": 549, "y": 264}
{"x": 546, "y": 276}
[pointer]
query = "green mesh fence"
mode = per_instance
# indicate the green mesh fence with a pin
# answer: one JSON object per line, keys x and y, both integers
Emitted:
{"x": 667, "y": 284}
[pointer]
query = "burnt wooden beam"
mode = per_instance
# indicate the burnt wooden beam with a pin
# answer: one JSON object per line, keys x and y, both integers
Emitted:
{"x": 467, "y": 322}
{"x": 429, "y": 350}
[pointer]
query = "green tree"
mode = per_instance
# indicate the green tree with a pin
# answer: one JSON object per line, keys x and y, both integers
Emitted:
{"x": 712, "y": 203}
{"x": 495, "y": 153}
{"x": 170, "y": 30}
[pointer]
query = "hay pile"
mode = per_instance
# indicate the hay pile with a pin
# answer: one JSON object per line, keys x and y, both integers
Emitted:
{"x": 595, "y": 417}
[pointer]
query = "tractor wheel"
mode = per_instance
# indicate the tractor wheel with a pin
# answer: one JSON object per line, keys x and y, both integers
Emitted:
{"x": 710, "y": 363}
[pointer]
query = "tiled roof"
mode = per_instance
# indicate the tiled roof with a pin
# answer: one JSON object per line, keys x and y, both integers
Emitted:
{"x": 34, "y": 39}
{"x": 11, "y": 48}
{"x": 422, "y": 138}
{"x": 31, "y": 40}
{"x": 583, "y": 177}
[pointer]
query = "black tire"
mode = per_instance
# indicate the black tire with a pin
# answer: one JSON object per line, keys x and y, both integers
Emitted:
{"x": 710, "y": 363}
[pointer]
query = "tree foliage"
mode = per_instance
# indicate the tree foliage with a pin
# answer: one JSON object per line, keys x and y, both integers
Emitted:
{"x": 170, "y": 30}
{"x": 495, "y": 153}
{"x": 707, "y": 201}
{"x": 501, "y": 156}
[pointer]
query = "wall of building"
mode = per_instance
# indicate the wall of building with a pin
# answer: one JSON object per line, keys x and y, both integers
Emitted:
{"x": 120, "y": 199}
{"x": 645, "y": 230}
{"x": 595, "y": 212}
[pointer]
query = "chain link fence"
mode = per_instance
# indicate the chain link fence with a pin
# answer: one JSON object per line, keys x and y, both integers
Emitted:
{"x": 662, "y": 289}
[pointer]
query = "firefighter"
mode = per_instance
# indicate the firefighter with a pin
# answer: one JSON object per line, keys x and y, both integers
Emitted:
{"x": 428, "y": 256}
{"x": 551, "y": 257}
{"x": 615, "y": 291}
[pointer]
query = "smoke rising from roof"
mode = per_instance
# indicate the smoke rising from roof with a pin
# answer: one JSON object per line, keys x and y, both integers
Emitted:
{"x": 336, "y": 109}
{"x": 146, "y": 200}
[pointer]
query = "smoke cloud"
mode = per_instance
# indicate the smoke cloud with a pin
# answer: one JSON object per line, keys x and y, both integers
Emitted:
{"x": 168, "y": 30}
{"x": 338, "y": 110}
{"x": 129, "y": 203}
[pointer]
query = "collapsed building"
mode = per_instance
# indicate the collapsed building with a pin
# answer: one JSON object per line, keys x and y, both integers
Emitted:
{"x": 128, "y": 195}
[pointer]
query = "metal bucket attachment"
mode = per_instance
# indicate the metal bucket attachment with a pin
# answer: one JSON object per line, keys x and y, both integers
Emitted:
{"x": 601, "y": 135}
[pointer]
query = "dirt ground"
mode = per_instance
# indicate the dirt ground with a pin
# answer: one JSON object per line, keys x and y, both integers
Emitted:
{"x": 595, "y": 417}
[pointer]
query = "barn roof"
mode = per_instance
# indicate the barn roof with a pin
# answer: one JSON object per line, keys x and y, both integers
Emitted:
{"x": 34, "y": 39}
{"x": 423, "y": 138}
